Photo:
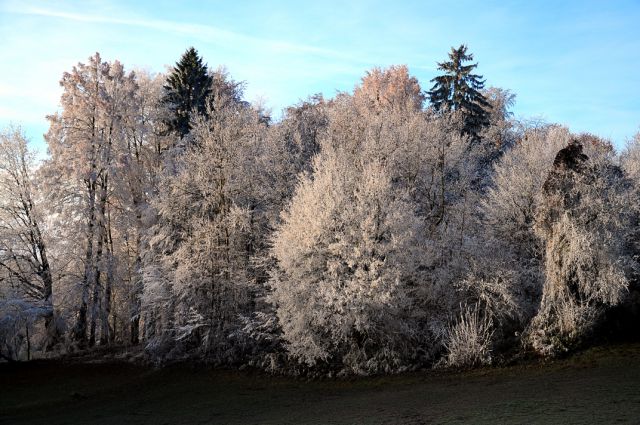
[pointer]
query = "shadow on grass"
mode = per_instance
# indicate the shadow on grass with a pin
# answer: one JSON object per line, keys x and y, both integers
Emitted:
{"x": 601, "y": 385}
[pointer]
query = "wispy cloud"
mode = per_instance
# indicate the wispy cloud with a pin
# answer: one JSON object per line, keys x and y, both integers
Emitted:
{"x": 205, "y": 32}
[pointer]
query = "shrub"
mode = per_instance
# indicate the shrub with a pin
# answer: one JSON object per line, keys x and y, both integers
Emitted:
{"x": 468, "y": 341}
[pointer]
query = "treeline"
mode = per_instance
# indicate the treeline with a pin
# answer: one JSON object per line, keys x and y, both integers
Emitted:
{"x": 376, "y": 231}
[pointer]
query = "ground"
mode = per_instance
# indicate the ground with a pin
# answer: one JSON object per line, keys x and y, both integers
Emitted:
{"x": 601, "y": 385}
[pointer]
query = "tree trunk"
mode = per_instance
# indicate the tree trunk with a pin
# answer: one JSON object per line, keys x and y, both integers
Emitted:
{"x": 107, "y": 336}
{"x": 137, "y": 283}
{"x": 80, "y": 330}
{"x": 96, "y": 312}
{"x": 26, "y": 326}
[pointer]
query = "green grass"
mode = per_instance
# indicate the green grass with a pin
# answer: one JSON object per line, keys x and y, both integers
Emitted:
{"x": 601, "y": 385}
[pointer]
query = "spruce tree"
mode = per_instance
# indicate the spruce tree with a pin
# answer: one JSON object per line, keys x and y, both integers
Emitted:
{"x": 186, "y": 91}
{"x": 459, "y": 90}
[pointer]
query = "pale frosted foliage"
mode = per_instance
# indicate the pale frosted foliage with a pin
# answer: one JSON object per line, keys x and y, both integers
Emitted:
{"x": 547, "y": 245}
{"x": 20, "y": 337}
{"x": 299, "y": 133}
{"x": 346, "y": 256}
{"x": 95, "y": 101}
{"x": 358, "y": 234}
{"x": 157, "y": 303}
{"x": 200, "y": 268}
{"x": 211, "y": 277}
{"x": 429, "y": 170}
{"x": 20, "y": 219}
{"x": 286, "y": 152}
{"x": 500, "y": 131}
{"x": 492, "y": 295}
{"x": 468, "y": 341}
{"x": 508, "y": 212}
{"x": 571, "y": 322}
{"x": 583, "y": 221}
{"x": 427, "y": 157}
{"x": 630, "y": 159}
{"x": 518, "y": 178}
{"x": 26, "y": 278}
{"x": 95, "y": 174}
{"x": 595, "y": 277}
{"x": 489, "y": 304}
{"x": 390, "y": 88}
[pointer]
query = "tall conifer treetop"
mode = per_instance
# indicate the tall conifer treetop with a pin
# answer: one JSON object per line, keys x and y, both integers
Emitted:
{"x": 459, "y": 90}
{"x": 186, "y": 91}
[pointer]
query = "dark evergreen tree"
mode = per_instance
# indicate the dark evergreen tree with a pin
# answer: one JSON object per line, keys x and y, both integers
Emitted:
{"x": 459, "y": 90}
{"x": 186, "y": 91}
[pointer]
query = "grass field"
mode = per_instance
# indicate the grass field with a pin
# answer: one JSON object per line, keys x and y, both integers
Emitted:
{"x": 601, "y": 385}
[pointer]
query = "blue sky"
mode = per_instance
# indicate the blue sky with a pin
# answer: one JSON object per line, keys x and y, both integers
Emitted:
{"x": 575, "y": 63}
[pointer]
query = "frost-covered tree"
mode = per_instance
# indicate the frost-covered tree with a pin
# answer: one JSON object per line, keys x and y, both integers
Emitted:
{"x": 300, "y": 132}
{"x": 630, "y": 158}
{"x": 198, "y": 273}
{"x": 499, "y": 287}
{"x": 346, "y": 268}
{"x": 501, "y": 132}
{"x": 84, "y": 140}
{"x": 392, "y": 87}
{"x": 26, "y": 277}
{"x": 584, "y": 220}
{"x": 358, "y": 234}
{"x": 23, "y": 252}
{"x": 508, "y": 215}
{"x": 424, "y": 167}
{"x": 630, "y": 163}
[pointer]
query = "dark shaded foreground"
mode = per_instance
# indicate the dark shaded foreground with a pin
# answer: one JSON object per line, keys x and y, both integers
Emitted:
{"x": 599, "y": 386}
